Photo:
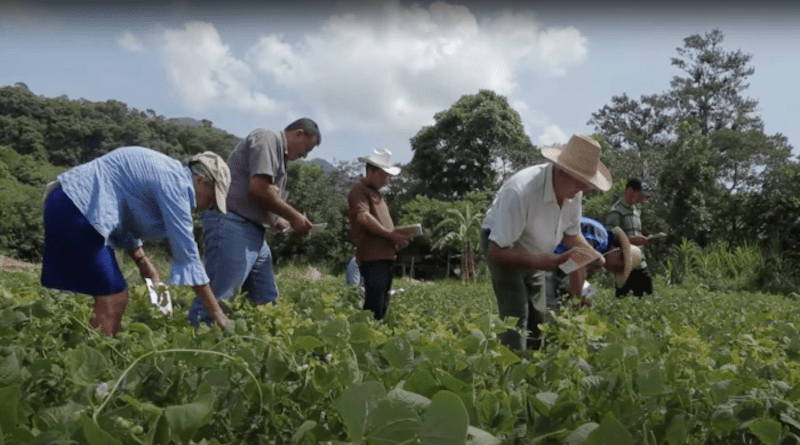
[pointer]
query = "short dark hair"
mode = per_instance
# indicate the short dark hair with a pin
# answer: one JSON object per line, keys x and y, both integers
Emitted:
{"x": 308, "y": 126}
{"x": 634, "y": 183}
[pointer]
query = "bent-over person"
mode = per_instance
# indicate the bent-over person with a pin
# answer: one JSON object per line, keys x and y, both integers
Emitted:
{"x": 116, "y": 201}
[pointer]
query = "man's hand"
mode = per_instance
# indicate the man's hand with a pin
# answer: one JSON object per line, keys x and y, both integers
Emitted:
{"x": 146, "y": 267}
{"x": 400, "y": 239}
{"x": 301, "y": 225}
{"x": 280, "y": 225}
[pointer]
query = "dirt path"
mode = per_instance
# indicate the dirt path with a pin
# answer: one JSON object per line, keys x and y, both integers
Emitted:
{"x": 8, "y": 264}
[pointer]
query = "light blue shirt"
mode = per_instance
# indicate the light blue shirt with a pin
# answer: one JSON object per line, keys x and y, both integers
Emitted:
{"x": 135, "y": 193}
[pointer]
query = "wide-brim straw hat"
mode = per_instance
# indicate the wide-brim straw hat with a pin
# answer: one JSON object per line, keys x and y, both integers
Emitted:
{"x": 220, "y": 173}
{"x": 581, "y": 158}
{"x": 631, "y": 256}
{"x": 381, "y": 158}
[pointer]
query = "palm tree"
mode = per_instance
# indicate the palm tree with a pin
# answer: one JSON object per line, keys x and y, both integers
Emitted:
{"x": 466, "y": 231}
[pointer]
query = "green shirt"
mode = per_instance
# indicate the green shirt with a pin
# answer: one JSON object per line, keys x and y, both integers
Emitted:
{"x": 626, "y": 216}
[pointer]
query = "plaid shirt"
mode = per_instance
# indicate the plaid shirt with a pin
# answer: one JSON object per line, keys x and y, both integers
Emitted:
{"x": 626, "y": 216}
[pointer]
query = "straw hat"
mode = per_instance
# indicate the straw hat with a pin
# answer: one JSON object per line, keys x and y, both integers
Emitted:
{"x": 581, "y": 157}
{"x": 631, "y": 256}
{"x": 219, "y": 171}
{"x": 381, "y": 158}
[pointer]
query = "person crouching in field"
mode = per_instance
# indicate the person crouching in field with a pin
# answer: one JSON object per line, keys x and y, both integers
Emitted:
{"x": 116, "y": 201}
{"x": 620, "y": 259}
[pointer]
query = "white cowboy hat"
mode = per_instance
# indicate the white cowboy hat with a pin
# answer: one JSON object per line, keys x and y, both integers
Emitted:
{"x": 381, "y": 158}
{"x": 631, "y": 256}
{"x": 581, "y": 158}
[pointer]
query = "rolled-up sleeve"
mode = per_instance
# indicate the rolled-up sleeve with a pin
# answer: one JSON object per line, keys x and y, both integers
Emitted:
{"x": 176, "y": 209}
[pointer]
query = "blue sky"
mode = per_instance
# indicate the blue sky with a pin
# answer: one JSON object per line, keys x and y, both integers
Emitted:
{"x": 373, "y": 73}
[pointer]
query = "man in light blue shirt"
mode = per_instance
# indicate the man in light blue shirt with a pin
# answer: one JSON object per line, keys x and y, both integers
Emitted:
{"x": 116, "y": 201}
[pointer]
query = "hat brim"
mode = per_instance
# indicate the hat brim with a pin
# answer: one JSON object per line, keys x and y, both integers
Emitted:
{"x": 392, "y": 170}
{"x": 625, "y": 246}
{"x": 221, "y": 196}
{"x": 601, "y": 179}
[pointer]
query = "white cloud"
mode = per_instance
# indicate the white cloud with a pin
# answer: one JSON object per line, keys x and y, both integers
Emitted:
{"x": 396, "y": 66}
{"x": 552, "y": 135}
{"x": 381, "y": 66}
{"x": 131, "y": 43}
{"x": 204, "y": 73}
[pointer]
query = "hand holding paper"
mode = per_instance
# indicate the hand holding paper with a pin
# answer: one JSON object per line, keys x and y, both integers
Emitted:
{"x": 580, "y": 256}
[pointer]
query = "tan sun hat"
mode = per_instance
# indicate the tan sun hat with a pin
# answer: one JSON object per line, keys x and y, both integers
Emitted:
{"x": 220, "y": 173}
{"x": 381, "y": 158}
{"x": 631, "y": 256}
{"x": 581, "y": 157}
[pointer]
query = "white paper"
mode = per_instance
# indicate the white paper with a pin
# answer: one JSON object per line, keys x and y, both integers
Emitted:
{"x": 416, "y": 229}
{"x": 568, "y": 266}
{"x": 314, "y": 227}
{"x": 588, "y": 290}
{"x": 162, "y": 301}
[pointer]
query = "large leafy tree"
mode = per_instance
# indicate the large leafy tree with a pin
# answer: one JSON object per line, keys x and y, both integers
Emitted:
{"x": 466, "y": 146}
{"x": 701, "y": 143}
{"x": 710, "y": 94}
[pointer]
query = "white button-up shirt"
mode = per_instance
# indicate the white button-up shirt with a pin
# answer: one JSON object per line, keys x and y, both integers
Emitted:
{"x": 525, "y": 212}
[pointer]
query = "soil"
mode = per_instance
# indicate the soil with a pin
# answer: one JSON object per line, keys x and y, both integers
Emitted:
{"x": 8, "y": 264}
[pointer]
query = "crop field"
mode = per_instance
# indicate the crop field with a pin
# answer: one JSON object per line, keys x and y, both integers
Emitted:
{"x": 688, "y": 365}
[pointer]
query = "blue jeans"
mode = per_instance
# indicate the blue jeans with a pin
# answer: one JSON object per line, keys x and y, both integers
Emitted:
{"x": 377, "y": 276}
{"x": 237, "y": 258}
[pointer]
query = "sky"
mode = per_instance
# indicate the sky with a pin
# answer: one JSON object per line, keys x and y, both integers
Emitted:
{"x": 373, "y": 73}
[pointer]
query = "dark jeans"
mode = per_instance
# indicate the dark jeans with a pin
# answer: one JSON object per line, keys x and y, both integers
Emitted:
{"x": 377, "y": 276}
{"x": 639, "y": 282}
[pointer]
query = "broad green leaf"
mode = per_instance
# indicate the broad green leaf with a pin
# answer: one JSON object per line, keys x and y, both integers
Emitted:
{"x": 277, "y": 366}
{"x": 724, "y": 421}
{"x": 306, "y": 342}
{"x": 421, "y": 381}
{"x": 767, "y": 431}
{"x": 649, "y": 382}
{"x": 85, "y": 364}
{"x": 445, "y": 421}
{"x": 9, "y": 404}
{"x": 471, "y": 344}
{"x": 306, "y": 427}
{"x": 449, "y": 382}
{"x": 336, "y": 329}
{"x": 94, "y": 434}
{"x": 610, "y": 432}
{"x": 677, "y": 431}
{"x": 360, "y": 333}
{"x": 10, "y": 370}
{"x": 580, "y": 435}
{"x": 418, "y": 402}
{"x": 185, "y": 420}
{"x": 611, "y": 354}
{"x": 58, "y": 417}
{"x": 355, "y": 404}
{"x": 392, "y": 421}
{"x": 476, "y": 436}
{"x": 398, "y": 352}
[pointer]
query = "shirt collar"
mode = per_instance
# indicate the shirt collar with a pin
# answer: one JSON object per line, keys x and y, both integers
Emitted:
{"x": 549, "y": 193}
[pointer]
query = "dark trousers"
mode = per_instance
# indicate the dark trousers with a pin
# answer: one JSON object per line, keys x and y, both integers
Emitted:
{"x": 377, "y": 276}
{"x": 640, "y": 282}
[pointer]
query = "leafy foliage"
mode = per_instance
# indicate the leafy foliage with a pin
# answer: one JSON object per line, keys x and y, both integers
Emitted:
{"x": 316, "y": 369}
{"x": 457, "y": 154}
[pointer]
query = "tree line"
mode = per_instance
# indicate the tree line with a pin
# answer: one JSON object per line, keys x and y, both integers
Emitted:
{"x": 701, "y": 144}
